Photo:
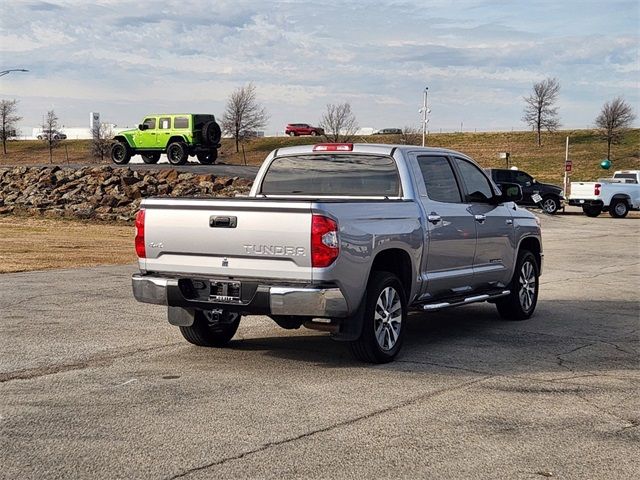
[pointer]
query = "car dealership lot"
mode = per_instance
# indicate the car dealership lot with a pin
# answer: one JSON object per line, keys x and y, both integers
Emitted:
{"x": 96, "y": 385}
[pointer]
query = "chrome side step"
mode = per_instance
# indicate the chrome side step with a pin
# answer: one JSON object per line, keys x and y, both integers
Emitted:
{"x": 430, "y": 307}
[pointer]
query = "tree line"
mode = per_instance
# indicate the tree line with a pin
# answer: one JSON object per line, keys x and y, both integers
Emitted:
{"x": 244, "y": 116}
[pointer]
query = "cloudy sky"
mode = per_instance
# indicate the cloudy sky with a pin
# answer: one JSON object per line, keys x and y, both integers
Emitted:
{"x": 478, "y": 58}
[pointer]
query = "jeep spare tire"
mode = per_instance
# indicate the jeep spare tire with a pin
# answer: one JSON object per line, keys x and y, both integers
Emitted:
{"x": 211, "y": 133}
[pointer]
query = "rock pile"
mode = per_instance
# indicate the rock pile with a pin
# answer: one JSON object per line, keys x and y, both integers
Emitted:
{"x": 102, "y": 193}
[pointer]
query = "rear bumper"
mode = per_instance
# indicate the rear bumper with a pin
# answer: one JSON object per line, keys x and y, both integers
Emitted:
{"x": 265, "y": 299}
{"x": 580, "y": 202}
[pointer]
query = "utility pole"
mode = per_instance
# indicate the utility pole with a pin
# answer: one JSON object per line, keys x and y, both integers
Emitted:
{"x": 424, "y": 110}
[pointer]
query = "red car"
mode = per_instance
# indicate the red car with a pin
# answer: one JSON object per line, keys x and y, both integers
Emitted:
{"x": 295, "y": 129}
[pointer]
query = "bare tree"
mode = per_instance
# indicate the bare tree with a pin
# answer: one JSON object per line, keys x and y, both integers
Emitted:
{"x": 49, "y": 130}
{"x": 339, "y": 123}
{"x": 410, "y": 135}
{"x": 540, "y": 111}
{"x": 8, "y": 121}
{"x": 101, "y": 140}
{"x": 615, "y": 117}
{"x": 243, "y": 115}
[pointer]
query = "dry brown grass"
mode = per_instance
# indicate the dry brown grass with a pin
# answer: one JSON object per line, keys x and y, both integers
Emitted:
{"x": 36, "y": 244}
{"x": 587, "y": 149}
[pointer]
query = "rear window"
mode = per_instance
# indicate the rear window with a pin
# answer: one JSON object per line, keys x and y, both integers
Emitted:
{"x": 340, "y": 175}
{"x": 628, "y": 177}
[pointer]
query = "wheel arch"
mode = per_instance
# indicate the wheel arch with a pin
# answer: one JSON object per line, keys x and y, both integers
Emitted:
{"x": 176, "y": 138}
{"x": 532, "y": 244}
{"x": 398, "y": 262}
{"x": 123, "y": 139}
{"x": 620, "y": 196}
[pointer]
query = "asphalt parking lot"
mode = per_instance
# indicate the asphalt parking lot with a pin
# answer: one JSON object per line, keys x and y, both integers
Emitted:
{"x": 95, "y": 385}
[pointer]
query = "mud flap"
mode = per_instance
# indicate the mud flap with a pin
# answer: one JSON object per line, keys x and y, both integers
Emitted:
{"x": 351, "y": 327}
{"x": 181, "y": 317}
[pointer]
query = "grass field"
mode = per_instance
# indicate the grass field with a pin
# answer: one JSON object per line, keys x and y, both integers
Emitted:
{"x": 37, "y": 244}
{"x": 586, "y": 149}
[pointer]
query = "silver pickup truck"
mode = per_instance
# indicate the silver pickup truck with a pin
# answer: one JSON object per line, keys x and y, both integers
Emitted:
{"x": 344, "y": 238}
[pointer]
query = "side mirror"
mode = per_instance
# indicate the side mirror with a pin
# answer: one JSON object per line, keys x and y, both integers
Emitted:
{"x": 143, "y": 127}
{"x": 511, "y": 192}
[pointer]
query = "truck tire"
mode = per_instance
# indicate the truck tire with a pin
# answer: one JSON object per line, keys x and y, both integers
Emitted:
{"x": 207, "y": 158}
{"x": 177, "y": 153}
{"x": 120, "y": 153}
{"x": 385, "y": 314}
{"x": 150, "y": 158}
{"x": 211, "y": 329}
{"x": 591, "y": 210}
{"x": 618, "y": 208}
{"x": 292, "y": 134}
{"x": 551, "y": 204}
{"x": 211, "y": 133}
{"x": 521, "y": 302}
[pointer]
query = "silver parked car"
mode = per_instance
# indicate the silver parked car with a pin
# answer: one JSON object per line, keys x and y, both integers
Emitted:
{"x": 51, "y": 135}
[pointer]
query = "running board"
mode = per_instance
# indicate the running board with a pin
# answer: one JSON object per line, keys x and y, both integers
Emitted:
{"x": 430, "y": 307}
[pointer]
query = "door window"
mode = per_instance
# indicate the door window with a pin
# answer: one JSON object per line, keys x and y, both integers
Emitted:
{"x": 165, "y": 123}
{"x": 439, "y": 179}
{"x": 478, "y": 188}
{"x": 523, "y": 178}
{"x": 151, "y": 122}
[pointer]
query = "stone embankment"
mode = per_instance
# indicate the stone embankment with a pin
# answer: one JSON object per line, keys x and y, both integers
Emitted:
{"x": 102, "y": 193}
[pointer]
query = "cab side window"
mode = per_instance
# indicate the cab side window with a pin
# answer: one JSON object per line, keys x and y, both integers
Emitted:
{"x": 150, "y": 122}
{"x": 503, "y": 176}
{"x": 522, "y": 178}
{"x": 439, "y": 179}
{"x": 478, "y": 188}
{"x": 181, "y": 122}
{"x": 165, "y": 123}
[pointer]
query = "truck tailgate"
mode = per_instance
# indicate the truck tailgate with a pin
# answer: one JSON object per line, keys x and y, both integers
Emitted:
{"x": 583, "y": 190}
{"x": 239, "y": 238}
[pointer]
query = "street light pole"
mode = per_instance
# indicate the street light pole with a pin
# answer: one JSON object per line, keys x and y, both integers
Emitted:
{"x": 7, "y": 72}
{"x": 424, "y": 115}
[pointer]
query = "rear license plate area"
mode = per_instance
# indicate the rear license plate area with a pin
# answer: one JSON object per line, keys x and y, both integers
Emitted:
{"x": 228, "y": 292}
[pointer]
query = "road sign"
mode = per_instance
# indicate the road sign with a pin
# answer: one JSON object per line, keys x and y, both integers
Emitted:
{"x": 568, "y": 165}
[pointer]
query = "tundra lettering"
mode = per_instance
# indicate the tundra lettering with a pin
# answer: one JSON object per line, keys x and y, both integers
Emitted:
{"x": 275, "y": 250}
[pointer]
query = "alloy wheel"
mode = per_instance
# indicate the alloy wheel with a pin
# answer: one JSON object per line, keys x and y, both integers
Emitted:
{"x": 527, "y": 286}
{"x": 387, "y": 319}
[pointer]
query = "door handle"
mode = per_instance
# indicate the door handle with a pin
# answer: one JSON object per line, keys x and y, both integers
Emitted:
{"x": 480, "y": 218}
{"x": 508, "y": 221}
{"x": 434, "y": 218}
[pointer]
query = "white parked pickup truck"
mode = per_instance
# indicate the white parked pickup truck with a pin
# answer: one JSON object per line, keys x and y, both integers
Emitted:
{"x": 615, "y": 195}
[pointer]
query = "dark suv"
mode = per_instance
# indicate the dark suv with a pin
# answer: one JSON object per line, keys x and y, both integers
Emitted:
{"x": 295, "y": 129}
{"x": 552, "y": 198}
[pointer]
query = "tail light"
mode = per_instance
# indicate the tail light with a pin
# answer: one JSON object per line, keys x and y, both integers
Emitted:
{"x": 141, "y": 250}
{"x": 324, "y": 241}
{"x": 596, "y": 189}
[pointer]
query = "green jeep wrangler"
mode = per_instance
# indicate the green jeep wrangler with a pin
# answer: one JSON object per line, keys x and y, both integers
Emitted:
{"x": 179, "y": 135}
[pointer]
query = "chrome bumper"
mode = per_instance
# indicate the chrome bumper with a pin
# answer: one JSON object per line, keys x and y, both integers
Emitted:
{"x": 307, "y": 302}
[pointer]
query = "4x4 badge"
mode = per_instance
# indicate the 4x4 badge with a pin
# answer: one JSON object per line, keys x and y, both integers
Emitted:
{"x": 225, "y": 262}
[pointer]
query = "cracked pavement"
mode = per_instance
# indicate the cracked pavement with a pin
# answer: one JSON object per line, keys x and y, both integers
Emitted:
{"x": 96, "y": 385}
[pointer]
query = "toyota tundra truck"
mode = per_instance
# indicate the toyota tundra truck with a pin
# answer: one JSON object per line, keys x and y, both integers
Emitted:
{"x": 343, "y": 238}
